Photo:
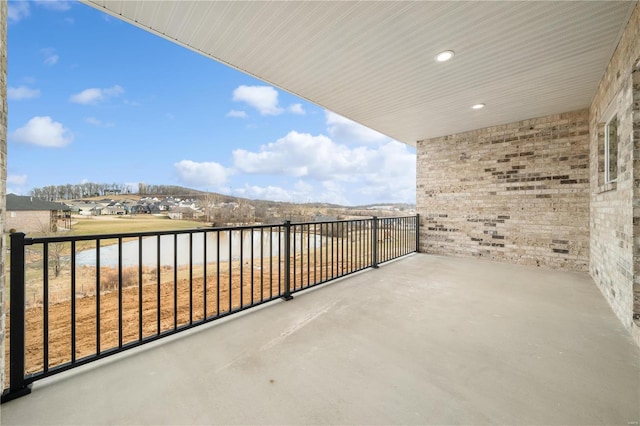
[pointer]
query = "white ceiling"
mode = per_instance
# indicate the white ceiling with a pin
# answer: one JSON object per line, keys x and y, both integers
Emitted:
{"x": 373, "y": 62}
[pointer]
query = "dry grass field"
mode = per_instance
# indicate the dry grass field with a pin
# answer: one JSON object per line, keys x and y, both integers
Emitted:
{"x": 93, "y": 225}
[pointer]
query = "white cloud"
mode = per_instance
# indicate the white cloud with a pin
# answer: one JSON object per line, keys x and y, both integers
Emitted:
{"x": 205, "y": 174}
{"x": 394, "y": 176}
{"x": 274, "y": 193}
{"x": 51, "y": 60}
{"x": 50, "y": 56}
{"x": 59, "y": 5}
{"x": 22, "y": 92}
{"x": 19, "y": 180}
{"x": 302, "y": 192}
{"x": 95, "y": 95}
{"x": 300, "y": 155}
{"x": 98, "y": 123}
{"x": 385, "y": 173}
{"x": 344, "y": 130}
{"x": 237, "y": 114}
{"x": 43, "y": 131}
{"x": 262, "y": 98}
{"x": 16, "y": 184}
{"x": 17, "y": 10}
{"x": 296, "y": 109}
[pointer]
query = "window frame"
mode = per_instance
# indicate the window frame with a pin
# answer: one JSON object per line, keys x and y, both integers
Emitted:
{"x": 607, "y": 145}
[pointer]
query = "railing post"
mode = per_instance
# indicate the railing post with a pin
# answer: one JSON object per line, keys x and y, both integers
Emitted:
{"x": 417, "y": 233}
{"x": 374, "y": 246}
{"x": 17, "y": 386}
{"x": 287, "y": 261}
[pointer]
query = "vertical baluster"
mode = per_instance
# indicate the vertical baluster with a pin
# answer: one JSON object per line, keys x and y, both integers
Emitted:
{"x": 252, "y": 267}
{"x": 204, "y": 271}
{"x": 335, "y": 246}
{"x": 98, "y": 297}
{"x": 45, "y": 307}
{"x": 190, "y": 278}
{"x": 230, "y": 269}
{"x": 73, "y": 302}
{"x": 280, "y": 261}
{"x": 241, "y": 268}
{"x": 140, "y": 288}
{"x": 293, "y": 254}
{"x": 287, "y": 261}
{"x": 158, "y": 289}
{"x": 342, "y": 226}
{"x": 218, "y": 273}
{"x": 175, "y": 281}
{"x": 261, "y": 264}
{"x": 270, "y": 262}
{"x": 417, "y": 221}
{"x": 120, "y": 292}
{"x": 326, "y": 252}
{"x": 308, "y": 254}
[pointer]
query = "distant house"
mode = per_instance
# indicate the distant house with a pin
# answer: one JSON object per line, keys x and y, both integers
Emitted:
{"x": 29, "y": 214}
{"x": 115, "y": 208}
{"x": 119, "y": 210}
{"x": 140, "y": 209}
{"x": 86, "y": 208}
{"x": 183, "y": 213}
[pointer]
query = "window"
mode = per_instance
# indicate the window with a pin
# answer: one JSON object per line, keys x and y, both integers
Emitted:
{"x": 611, "y": 150}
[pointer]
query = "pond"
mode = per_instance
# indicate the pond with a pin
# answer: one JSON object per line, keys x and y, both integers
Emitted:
{"x": 265, "y": 244}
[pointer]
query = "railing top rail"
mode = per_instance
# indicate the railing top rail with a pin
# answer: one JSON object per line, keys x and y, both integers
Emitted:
{"x": 92, "y": 237}
{"x": 323, "y": 222}
{"x": 395, "y": 217}
{"x": 67, "y": 238}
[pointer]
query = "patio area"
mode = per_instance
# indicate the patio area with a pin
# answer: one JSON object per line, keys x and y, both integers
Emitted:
{"x": 422, "y": 340}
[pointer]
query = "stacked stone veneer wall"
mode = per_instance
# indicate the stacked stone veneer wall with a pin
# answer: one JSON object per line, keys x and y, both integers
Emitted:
{"x": 615, "y": 208}
{"x": 3, "y": 174}
{"x": 517, "y": 192}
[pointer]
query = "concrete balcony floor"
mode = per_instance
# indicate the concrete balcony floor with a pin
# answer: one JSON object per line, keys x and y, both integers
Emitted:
{"x": 423, "y": 340}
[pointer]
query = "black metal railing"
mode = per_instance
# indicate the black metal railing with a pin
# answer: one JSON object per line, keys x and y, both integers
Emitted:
{"x": 77, "y": 299}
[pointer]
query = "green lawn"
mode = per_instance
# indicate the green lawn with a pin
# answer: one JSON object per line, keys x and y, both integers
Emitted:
{"x": 125, "y": 224}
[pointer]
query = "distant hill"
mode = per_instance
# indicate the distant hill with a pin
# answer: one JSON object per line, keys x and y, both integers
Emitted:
{"x": 112, "y": 192}
{"x": 184, "y": 193}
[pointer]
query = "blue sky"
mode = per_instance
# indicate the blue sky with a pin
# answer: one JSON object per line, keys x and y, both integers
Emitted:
{"x": 92, "y": 98}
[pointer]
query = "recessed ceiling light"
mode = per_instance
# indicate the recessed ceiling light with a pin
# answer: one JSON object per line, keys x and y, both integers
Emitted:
{"x": 444, "y": 56}
{"x": 478, "y": 106}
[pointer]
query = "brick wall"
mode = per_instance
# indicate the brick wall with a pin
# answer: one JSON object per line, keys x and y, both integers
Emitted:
{"x": 615, "y": 208}
{"x": 3, "y": 173}
{"x": 28, "y": 221}
{"x": 517, "y": 192}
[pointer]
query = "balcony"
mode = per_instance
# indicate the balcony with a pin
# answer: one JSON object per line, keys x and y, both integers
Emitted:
{"x": 422, "y": 340}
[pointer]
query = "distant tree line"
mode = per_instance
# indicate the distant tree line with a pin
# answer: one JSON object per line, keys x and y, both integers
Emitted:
{"x": 168, "y": 190}
{"x": 80, "y": 190}
{"x": 91, "y": 189}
